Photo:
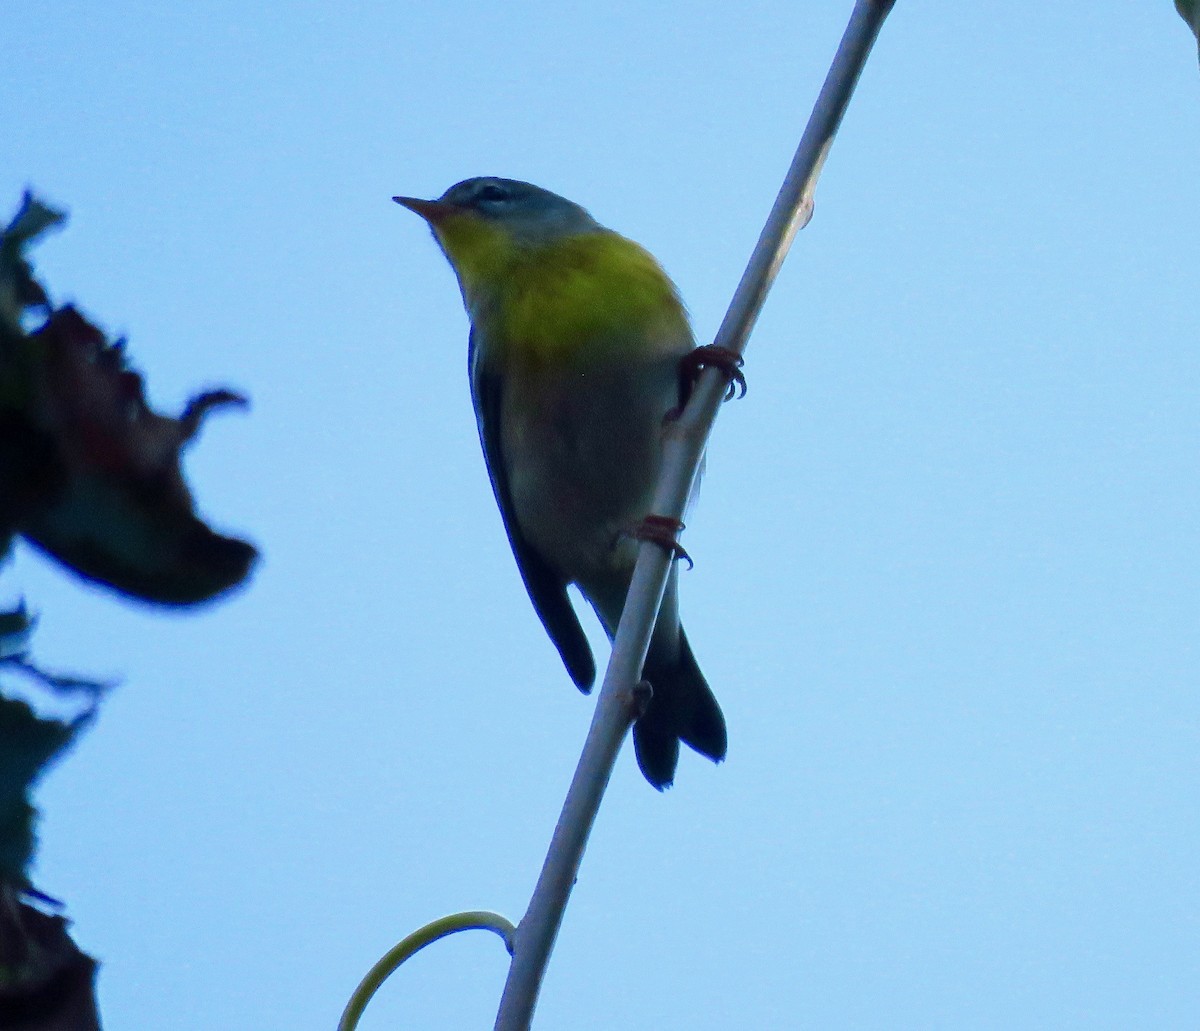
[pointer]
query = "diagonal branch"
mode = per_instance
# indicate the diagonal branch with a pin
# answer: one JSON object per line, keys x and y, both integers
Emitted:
{"x": 683, "y": 446}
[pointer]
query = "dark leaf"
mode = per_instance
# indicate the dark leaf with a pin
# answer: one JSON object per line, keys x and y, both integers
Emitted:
{"x": 29, "y": 743}
{"x": 46, "y": 982}
{"x": 89, "y": 472}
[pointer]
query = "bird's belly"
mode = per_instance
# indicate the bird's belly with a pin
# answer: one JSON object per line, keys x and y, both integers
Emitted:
{"x": 583, "y": 452}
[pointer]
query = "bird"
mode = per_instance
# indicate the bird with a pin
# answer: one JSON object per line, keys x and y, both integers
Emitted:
{"x": 580, "y": 348}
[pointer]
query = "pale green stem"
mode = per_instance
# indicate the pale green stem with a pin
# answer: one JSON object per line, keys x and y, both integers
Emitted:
{"x": 474, "y": 920}
{"x": 683, "y": 447}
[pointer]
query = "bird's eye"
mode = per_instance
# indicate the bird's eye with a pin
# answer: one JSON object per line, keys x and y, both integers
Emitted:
{"x": 492, "y": 192}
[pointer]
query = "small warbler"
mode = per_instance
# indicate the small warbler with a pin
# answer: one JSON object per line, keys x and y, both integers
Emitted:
{"x": 579, "y": 349}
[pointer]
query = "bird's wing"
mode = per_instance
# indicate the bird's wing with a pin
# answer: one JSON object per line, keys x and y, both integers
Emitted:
{"x": 547, "y": 589}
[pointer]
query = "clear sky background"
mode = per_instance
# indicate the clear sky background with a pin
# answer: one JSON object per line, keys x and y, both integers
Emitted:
{"x": 947, "y": 578}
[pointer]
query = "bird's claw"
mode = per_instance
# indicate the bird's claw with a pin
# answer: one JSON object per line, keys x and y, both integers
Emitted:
{"x": 663, "y": 531}
{"x": 700, "y": 358}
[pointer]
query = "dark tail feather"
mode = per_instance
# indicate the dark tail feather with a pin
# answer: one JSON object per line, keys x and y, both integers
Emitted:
{"x": 683, "y": 709}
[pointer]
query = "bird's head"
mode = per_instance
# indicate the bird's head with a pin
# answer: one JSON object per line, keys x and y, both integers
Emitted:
{"x": 526, "y": 213}
{"x": 482, "y": 224}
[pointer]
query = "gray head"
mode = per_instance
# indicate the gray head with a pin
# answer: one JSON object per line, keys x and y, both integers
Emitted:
{"x": 524, "y": 210}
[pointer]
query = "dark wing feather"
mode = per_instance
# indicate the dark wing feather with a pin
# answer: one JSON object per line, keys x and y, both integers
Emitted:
{"x": 547, "y": 589}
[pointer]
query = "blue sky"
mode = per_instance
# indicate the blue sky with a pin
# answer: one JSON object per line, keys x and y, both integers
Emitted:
{"x": 947, "y": 550}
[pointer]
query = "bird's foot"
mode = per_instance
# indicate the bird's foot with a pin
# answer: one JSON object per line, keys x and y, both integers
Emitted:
{"x": 663, "y": 531}
{"x": 700, "y": 358}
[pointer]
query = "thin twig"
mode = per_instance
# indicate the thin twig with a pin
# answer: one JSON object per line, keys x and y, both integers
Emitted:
{"x": 475, "y": 920}
{"x": 683, "y": 447}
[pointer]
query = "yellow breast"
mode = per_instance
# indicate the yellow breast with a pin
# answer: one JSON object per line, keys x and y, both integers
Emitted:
{"x": 573, "y": 299}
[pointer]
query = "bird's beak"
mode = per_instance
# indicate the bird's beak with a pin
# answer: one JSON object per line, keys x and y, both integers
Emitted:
{"x": 433, "y": 211}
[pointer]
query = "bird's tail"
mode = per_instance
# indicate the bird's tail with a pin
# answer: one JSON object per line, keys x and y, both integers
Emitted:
{"x": 683, "y": 708}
